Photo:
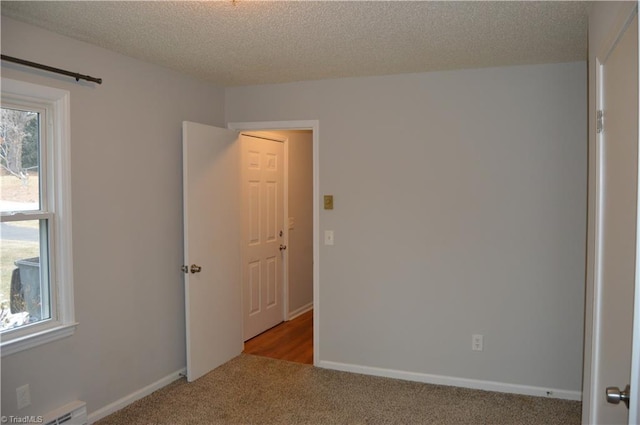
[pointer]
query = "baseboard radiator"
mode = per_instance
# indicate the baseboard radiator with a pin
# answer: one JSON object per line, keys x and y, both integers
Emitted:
{"x": 74, "y": 413}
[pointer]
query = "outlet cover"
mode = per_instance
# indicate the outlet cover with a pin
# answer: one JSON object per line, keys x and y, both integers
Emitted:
{"x": 24, "y": 396}
{"x": 477, "y": 342}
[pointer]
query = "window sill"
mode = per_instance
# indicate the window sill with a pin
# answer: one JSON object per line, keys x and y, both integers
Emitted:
{"x": 38, "y": 338}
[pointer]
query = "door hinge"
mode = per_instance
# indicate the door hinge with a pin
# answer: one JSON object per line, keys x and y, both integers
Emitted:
{"x": 599, "y": 121}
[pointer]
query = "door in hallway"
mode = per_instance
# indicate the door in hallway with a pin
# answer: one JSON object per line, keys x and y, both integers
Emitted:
{"x": 263, "y": 249}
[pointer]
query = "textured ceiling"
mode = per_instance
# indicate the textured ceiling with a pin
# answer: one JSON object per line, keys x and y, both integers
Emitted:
{"x": 257, "y": 42}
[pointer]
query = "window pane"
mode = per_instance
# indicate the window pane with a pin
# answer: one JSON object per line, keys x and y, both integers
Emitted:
{"x": 19, "y": 160}
{"x": 24, "y": 288}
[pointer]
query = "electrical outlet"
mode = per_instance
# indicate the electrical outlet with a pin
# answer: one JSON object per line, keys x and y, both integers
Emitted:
{"x": 477, "y": 343}
{"x": 23, "y": 396}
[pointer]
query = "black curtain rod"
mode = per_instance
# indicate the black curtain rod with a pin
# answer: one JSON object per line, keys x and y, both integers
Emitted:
{"x": 75, "y": 75}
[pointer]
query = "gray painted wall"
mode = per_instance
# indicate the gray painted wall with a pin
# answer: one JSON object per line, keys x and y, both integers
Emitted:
{"x": 126, "y": 163}
{"x": 460, "y": 208}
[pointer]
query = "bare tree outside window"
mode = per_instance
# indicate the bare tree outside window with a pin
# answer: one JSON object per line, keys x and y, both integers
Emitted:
{"x": 18, "y": 142}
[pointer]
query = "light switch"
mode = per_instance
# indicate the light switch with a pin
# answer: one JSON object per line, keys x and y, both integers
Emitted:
{"x": 328, "y": 237}
{"x": 292, "y": 223}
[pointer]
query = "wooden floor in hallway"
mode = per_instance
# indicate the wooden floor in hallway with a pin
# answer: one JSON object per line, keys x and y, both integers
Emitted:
{"x": 292, "y": 341}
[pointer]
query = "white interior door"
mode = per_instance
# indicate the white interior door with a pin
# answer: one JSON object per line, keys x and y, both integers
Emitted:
{"x": 617, "y": 217}
{"x": 263, "y": 233}
{"x": 211, "y": 247}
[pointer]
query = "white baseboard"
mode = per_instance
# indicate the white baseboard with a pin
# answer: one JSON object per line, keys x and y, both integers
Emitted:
{"x": 137, "y": 395}
{"x": 300, "y": 311}
{"x": 455, "y": 382}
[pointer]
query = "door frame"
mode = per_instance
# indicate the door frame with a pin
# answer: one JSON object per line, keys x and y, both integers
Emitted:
{"x": 314, "y": 126}
{"x": 594, "y": 282}
{"x": 634, "y": 410}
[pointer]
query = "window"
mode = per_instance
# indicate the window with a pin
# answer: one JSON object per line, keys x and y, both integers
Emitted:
{"x": 36, "y": 278}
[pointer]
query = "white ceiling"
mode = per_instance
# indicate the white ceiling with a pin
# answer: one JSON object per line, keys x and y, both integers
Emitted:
{"x": 259, "y": 42}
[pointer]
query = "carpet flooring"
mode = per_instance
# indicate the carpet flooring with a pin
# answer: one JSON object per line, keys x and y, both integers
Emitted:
{"x": 258, "y": 390}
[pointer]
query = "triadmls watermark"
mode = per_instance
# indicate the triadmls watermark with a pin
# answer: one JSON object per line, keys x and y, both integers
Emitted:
{"x": 22, "y": 419}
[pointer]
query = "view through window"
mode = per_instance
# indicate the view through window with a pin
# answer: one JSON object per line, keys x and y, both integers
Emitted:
{"x": 24, "y": 276}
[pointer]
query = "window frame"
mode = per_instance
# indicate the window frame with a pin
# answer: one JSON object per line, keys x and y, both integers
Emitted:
{"x": 55, "y": 207}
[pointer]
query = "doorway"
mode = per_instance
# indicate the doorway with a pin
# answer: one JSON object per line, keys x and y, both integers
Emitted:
{"x": 300, "y": 301}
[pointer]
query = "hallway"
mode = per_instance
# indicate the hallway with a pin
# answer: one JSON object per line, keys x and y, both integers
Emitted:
{"x": 292, "y": 341}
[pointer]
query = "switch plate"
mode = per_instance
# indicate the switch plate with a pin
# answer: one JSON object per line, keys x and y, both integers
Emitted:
{"x": 328, "y": 202}
{"x": 477, "y": 342}
{"x": 292, "y": 223}
{"x": 328, "y": 237}
{"x": 23, "y": 396}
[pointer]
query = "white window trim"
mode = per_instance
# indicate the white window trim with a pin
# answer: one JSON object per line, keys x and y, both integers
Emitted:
{"x": 64, "y": 324}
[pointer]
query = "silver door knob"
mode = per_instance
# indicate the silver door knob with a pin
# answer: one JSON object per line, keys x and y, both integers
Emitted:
{"x": 615, "y": 396}
{"x": 195, "y": 269}
{"x": 282, "y": 247}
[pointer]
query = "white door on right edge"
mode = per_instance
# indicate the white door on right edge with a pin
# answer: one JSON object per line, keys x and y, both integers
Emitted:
{"x": 263, "y": 245}
{"x": 617, "y": 175}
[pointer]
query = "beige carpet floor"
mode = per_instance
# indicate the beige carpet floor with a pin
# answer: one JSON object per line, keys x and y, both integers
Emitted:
{"x": 259, "y": 390}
